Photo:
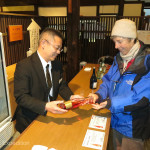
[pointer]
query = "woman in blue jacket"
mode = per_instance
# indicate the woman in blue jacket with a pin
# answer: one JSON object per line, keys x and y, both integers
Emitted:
{"x": 126, "y": 89}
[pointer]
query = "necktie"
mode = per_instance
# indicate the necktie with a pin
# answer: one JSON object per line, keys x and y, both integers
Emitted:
{"x": 49, "y": 83}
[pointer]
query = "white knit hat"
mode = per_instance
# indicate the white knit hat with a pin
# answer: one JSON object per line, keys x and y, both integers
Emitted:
{"x": 124, "y": 28}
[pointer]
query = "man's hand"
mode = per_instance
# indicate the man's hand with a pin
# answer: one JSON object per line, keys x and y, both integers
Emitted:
{"x": 53, "y": 107}
{"x": 72, "y": 97}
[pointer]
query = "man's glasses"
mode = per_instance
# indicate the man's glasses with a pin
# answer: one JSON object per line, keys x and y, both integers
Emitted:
{"x": 54, "y": 46}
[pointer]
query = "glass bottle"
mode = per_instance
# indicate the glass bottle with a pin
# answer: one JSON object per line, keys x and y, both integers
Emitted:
{"x": 99, "y": 71}
{"x": 93, "y": 80}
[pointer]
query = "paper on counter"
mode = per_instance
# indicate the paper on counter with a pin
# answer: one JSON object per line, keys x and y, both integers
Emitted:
{"x": 87, "y": 69}
{"x": 94, "y": 139}
{"x": 98, "y": 122}
{"x": 41, "y": 147}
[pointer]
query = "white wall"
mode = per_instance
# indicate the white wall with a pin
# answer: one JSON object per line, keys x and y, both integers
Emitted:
{"x": 108, "y": 9}
{"x": 88, "y": 11}
{"x": 132, "y": 9}
{"x": 52, "y": 11}
{"x": 18, "y": 8}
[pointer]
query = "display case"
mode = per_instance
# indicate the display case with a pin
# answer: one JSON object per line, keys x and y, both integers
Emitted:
{"x": 6, "y": 126}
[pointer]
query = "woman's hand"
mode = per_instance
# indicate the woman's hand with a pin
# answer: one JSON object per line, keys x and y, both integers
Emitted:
{"x": 93, "y": 97}
{"x": 99, "y": 106}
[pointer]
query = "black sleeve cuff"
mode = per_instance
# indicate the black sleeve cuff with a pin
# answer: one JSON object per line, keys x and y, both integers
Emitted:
{"x": 45, "y": 112}
{"x": 108, "y": 103}
{"x": 99, "y": 98}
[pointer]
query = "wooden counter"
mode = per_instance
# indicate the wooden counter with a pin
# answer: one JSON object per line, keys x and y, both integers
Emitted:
{"x": 64, "y": 131}
{"x": 10, "y": 77}
{"x": 10, "y": 72}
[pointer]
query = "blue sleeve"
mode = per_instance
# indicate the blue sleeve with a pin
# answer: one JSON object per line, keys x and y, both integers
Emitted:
{"x": 140, "y": 90}
{"x": 104, "y": 87}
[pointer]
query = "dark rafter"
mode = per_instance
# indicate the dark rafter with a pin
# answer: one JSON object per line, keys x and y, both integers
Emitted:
{"x": 17, "y": 2}
{"x": 46, "y": 3}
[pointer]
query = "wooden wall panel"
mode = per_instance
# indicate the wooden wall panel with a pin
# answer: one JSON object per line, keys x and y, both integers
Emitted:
{"x": 16, "y": 51}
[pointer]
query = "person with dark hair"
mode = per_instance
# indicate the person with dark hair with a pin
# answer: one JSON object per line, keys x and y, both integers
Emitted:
{"x": 125, "y": 90}
{"x": 38, "y": 80}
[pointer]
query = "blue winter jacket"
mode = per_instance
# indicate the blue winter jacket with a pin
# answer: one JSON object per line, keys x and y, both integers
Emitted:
{"x": 129, "y": 94}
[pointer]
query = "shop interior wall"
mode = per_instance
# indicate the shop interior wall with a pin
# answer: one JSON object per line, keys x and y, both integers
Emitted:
{"x": 16, "y": 51}
{"x": 89, "y": 46}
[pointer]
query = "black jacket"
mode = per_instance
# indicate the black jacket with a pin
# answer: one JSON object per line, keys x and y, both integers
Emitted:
{"x": 31, "y": 91}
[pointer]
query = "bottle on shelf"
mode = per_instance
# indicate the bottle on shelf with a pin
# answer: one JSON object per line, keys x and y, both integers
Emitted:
{"x": 71, "y": 104}
{"x": 93, "y": 80}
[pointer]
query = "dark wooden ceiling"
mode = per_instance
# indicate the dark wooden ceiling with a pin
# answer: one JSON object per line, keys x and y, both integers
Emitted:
{"x": 46, "y": 3}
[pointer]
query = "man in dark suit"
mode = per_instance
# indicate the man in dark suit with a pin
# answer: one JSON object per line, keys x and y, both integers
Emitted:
{"x": 33, "y": 94}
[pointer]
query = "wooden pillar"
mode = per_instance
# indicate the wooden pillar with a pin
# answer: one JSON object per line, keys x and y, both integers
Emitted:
{"x": 36, "y": 9}
{"x": 73, "y": 18}
{"x": 97, "y": 10}
{"x": 121, "y": 8}
{"x": 1, "y": 9}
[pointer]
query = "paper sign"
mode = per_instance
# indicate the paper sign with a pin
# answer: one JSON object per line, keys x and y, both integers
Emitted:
{"x": 94, "y": 139}
{"x": 98, "y": 122}
{"x": 15, "y": 33}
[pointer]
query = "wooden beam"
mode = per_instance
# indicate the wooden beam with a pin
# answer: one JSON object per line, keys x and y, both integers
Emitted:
{"x": 147, "y": 4}
{"x": 121, "y": 8}
{"x": 97, "y": 10}
{"x": 55, "y": 3}
{"x": 17, "y": 2}
{"x": 1, "y": 9}
{"x": 36, "y": 10}
{"x": 47, "y": 3}
{"x": 52, "y": 3}
{"x": 69, "y": 6}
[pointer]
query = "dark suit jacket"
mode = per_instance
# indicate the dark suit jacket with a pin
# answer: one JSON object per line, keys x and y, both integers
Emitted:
{"x": 31, "y": 92}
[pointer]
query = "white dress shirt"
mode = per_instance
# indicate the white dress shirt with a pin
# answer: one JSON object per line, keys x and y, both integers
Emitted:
{"x": 44, "y": 64}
